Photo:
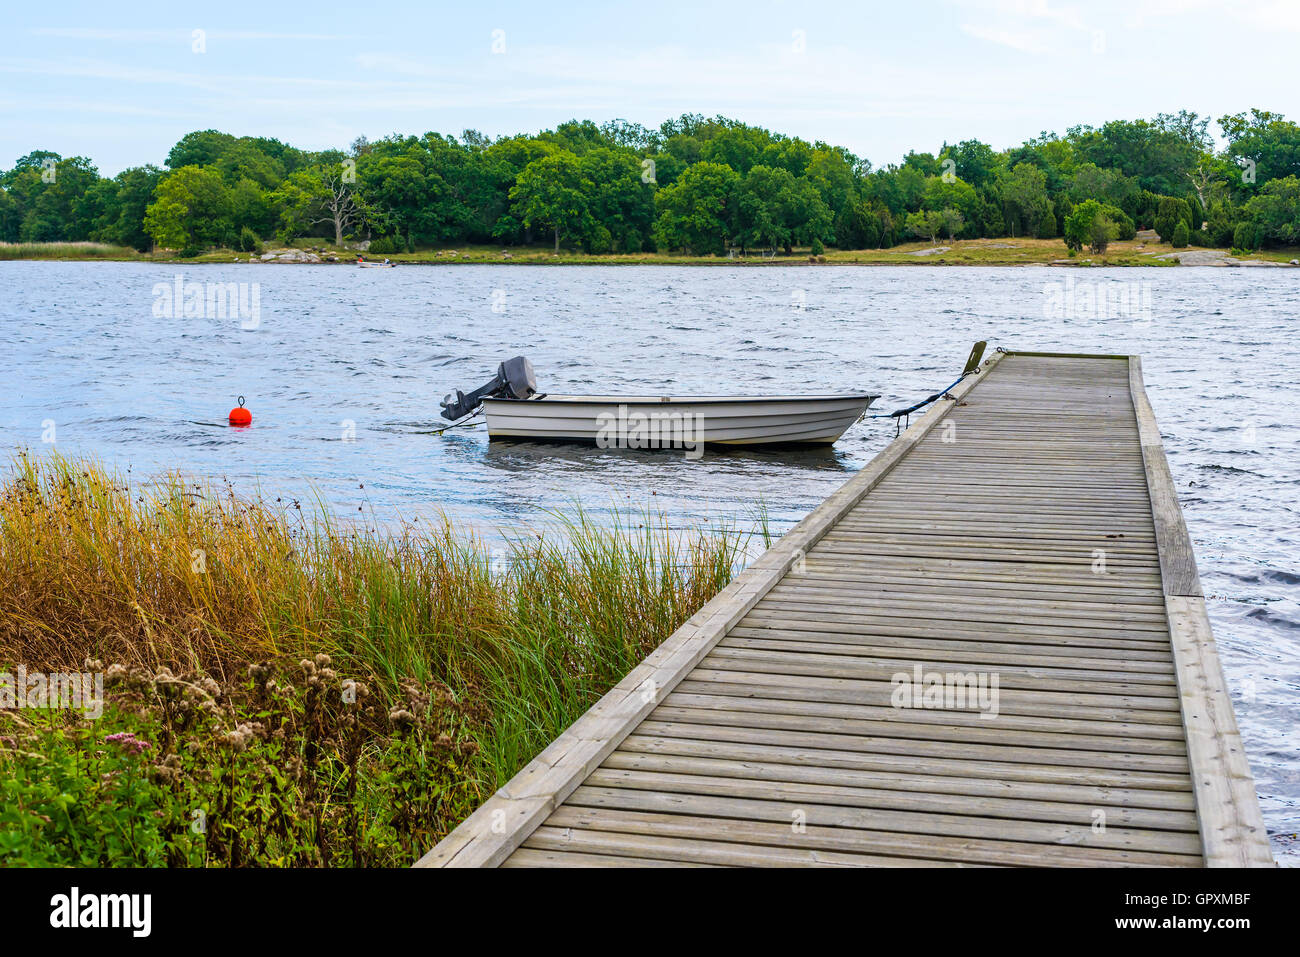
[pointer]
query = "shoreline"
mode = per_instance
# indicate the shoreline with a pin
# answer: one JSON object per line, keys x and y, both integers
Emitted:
{"x": 1142, "y": 252}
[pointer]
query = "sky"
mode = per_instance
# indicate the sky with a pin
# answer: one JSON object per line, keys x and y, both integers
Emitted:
{"x": 120, "y": 83}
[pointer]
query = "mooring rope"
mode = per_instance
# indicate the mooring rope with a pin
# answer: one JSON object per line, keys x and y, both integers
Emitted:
{"x": 905, "y": 414}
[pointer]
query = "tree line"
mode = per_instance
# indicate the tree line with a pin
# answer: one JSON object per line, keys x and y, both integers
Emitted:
{"x": 697, "y": 185}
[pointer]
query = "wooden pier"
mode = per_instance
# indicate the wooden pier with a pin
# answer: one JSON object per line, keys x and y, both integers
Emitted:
{"x": 1018, "y": 559}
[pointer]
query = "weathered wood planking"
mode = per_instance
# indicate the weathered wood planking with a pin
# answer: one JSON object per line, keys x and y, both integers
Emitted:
{"x": 1025, "y": 530}
{"x": 1231, "y": 825}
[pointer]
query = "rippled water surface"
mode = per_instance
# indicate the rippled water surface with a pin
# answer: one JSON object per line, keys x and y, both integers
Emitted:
{"x": 378, "y": 348}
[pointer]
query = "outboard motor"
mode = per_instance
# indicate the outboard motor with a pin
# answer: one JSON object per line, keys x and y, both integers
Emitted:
{"x": 514, "y": 380}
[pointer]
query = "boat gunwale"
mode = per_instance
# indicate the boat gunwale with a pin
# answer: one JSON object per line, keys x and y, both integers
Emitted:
{"x": 869, "y": 397}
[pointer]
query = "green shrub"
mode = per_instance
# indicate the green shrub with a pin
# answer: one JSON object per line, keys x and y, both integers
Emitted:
{"x": 291, "y": 766}
{"x": 1127, "y": 229}
{"x": 1169, "y": 214}
{"x": 189, "y": 252}
{"x": 248, "y": 241}
{"x": 1181, "y": 235}
{"x": 599, "y": 241}
{"x": 1094, "y": 224}
{"x": 1246, "y": 236}
{"x": 384, "y": 245}
{"x": 817, "y": 248}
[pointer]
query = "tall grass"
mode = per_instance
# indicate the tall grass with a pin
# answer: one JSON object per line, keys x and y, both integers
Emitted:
{"x": 188, "y": 577}
{"x": 61, "y": 250}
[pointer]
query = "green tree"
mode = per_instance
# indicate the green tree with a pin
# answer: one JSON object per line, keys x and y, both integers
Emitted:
{"x": 122, "y": 220}
{"x": 10, "y": 217}
{"x": 1181, "y": 235}
{"x": 320, "y": 195}
{"x": 697, "y": 212}
{"x": 1276, "y": 212}
{"x": 1091, "y": 223}
{"x": 1245, "y": 236}
{"x": 1090, "y": 181}
{"x": 620, "y": 201}
{"x": 774, "y": 209}
{"x": 954, "y": 194}
{"x": 1263, "y": 143}
{"x": 53, "y": 197}
{"x": 189, "y": 204}
{"x": 953, "y": 221}
{"x": 554, "y": 192}
{"x": 1025, "y": 202}
{"x": 1169, "y": 214}
{"x": 1157, "y": 153}
{"x": 925, "y": 225}
{"x": 974, "y": 162}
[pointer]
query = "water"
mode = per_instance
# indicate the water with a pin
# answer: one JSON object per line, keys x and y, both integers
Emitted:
{"x": 376, "y": 349}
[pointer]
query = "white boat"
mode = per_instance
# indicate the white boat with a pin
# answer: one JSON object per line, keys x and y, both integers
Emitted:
{"x": 516, "y": 411}
{"x": 649, "y": 422}
{"x": 366, "y": 264}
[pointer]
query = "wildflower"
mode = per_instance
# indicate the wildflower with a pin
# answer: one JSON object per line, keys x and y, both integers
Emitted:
{"x": 128, "y": 742}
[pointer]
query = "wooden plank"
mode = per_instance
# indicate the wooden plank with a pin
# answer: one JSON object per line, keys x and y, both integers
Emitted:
{"x": 964, "y": 654}
{"x": 1170, "y": 730}
{"x": 913, "y": 800}
{"x": 834, "y": 815}
{"x": 877, "y": 744}
{"x": 530, "y": 857}
{"x": 906, "y": 782}
{"x": 966, "y": 768}
{"x": 899, "y": 727}
{"x": 679, "y": 850}
{"x": 1177, "y": 560}
{"x": 909, "y": 849}
{"x": 1008, "y": 676}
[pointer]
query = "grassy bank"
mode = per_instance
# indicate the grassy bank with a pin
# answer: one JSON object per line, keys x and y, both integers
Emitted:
{"x": 236, "y": 635}
{"x": 964, "y": 252}
{"x": 9, "y": 251}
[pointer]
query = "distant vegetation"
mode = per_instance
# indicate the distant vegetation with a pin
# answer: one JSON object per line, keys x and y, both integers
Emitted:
{"x": 696, "y": 186}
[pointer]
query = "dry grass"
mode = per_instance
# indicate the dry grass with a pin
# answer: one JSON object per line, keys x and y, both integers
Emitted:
{"x": 65, "y": 251}
{"x": 178, "y": 575}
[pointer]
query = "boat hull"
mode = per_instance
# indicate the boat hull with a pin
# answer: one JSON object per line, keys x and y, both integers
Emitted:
{"x": 652, "y": 422}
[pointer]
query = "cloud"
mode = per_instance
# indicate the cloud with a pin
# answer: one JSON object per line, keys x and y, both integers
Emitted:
{"x": 1266, "y": 14}
{"x": 1031, "y": 26}
{"x": 169, "y": 36}
{"x": 1024, "y": 42}
{"x": 108, "y": 70}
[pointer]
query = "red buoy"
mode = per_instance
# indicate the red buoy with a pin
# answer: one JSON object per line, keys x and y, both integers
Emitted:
{"x": 240, "y": 415}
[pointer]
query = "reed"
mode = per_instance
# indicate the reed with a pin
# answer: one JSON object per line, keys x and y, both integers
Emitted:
{"x": 61, "y": 250}
{"x": 192, "y": 578}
